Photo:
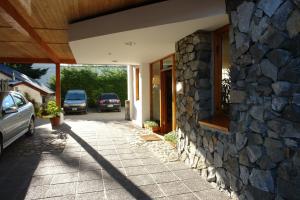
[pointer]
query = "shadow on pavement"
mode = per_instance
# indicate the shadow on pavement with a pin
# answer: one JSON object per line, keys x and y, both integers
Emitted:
{"x": 20, "y": 161}
{"x": 107, "y": 166}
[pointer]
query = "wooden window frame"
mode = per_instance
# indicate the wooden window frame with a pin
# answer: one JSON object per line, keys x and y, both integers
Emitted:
{"x": 219, "y": 121}
{"x": 137, "y": 83}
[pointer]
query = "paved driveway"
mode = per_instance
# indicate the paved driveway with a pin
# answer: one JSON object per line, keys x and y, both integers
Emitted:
{"x": 93, "y": 157}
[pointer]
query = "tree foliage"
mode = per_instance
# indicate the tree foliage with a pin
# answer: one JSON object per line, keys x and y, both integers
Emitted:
{"x": 110, "y": 80}
{"x": 28, "y": 70}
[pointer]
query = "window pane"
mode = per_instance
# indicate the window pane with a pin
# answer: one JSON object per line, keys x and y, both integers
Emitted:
{"x": 168, "y": 62}
{"x": 225, "y": 73}
{"x": 8, "y": 102}
{"x": 156, "y": 91}
{"x": 19, "y": 100}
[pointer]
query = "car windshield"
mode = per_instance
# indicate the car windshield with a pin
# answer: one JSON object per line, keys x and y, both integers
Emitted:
{"x": 75, "y": 96}
{"x": 109, "y": 96}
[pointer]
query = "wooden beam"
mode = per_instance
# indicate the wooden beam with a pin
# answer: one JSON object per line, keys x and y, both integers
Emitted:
{"x": 57, "y": 85}
{"x": 33, "y": 60}
{"x": 13, "y": 12}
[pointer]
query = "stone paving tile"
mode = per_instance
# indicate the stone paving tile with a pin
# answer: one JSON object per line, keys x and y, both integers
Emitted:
{"x": 89, "y": 166}
{"x": 132, "y": 163}
{"x": 125, "y": 151}
{"x": 37, "y": 192}
{"x": 197, "y": 184}
{"x": 131, "y": 171}
{"x": 116, "y": 194}
{"x": 212, "y": 194}
{"x": 140, "y": 180}
{"x": 90, "y": 186}
{"x": 164, "y": 177}
{"x": 176, "y": 165}
{"x": 61, "y": 189}
{"x": 90, "y": 175}
{"x": 65, "y": 178}
{"x": 188, "y": 196}
{"x": 174, "y": 188}
{"x": 127, "y": 156}
{"x": 91, "y": 196}
{"x": 41, "y": 180}
{"x": 151, "y": 161}
{"x": 152, "y": 191}
{"x": 156, "y": 168}
{"x": 186, "y": 174}
{"x": 116, "y": 163}
{"x": 111, "y": 184}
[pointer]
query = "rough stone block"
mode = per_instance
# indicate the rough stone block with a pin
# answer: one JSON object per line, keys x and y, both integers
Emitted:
{"x": 237, "y": 96}
{"x": 293, "y": 23}
{"x": 269, "y": 70}
{"x": 262, "y": 180}
{"x": 245, "y": 11}
{"x": 269, "y": 8}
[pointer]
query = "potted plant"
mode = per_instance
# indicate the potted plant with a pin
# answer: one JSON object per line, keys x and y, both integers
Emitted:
{"x": 152, "y": 125}
{"x": 53, "y": 112}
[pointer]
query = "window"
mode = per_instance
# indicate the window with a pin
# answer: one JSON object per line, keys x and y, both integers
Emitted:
{"x": 220, "y": 120}
{"x": 155, "y": 91}
{"x": 137, "y": 83}
{"x": 8, "y": 102}
{"x": 20, "y": 101}
{"x": 222, "y": 68}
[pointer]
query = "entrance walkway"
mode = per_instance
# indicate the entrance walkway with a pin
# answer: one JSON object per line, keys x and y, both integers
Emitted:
{"x": 94, "y": 160}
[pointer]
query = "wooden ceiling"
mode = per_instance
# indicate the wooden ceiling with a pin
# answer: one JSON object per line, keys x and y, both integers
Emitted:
{"x": 36, "y": 30}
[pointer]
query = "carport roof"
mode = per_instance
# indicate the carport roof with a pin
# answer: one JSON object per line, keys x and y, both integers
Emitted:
{"x": 34, "y": 31}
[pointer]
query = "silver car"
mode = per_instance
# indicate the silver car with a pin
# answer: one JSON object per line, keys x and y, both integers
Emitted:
{"x": 16, "y": 118}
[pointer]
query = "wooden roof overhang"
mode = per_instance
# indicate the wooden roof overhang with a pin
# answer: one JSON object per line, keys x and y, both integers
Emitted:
{"x": 35, "y": 31}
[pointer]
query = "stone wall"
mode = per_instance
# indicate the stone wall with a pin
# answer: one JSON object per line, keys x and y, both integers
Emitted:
{"x": 260, "y": 157}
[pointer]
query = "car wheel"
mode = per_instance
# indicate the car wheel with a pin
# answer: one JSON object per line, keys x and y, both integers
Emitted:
{"x": 31, "y": 128}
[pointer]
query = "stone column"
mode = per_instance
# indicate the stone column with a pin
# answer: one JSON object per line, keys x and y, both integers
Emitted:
{"x": 265, "y": 48}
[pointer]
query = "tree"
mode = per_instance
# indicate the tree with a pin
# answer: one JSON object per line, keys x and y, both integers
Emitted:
{"x": 28, "y": 70}
{"x": 109, "y": 80}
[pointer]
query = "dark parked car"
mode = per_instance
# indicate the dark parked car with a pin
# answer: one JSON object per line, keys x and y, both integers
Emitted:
{"x": 16, "y": 118}
{"x": 109, "y": 102}
{"x": 75, "y": 101}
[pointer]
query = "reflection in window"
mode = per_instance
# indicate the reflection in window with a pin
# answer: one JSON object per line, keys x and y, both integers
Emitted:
{"x": 156, "y": 91}
{"x": 225, "y": 73}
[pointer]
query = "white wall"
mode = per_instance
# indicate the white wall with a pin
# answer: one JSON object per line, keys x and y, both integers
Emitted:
{"x": 34, "y": 94}
{"x": 4, "y": 77}
{"x": 141, "y": 108}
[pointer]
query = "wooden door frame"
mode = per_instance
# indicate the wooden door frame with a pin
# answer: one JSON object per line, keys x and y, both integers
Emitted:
{"x": 162, "y": 93}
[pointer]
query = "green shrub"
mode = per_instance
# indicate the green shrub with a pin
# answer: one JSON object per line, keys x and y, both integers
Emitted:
{"x": 150, "y": 124}
{"x": 171, "y": 137}
{"x": 109, "y": 80}
{"x": 53, "y": 110}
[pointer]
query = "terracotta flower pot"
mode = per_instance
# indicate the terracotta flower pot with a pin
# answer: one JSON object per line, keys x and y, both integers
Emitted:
{"x": 54, "y": 121}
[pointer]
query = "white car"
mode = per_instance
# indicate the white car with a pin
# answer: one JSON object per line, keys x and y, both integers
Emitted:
{"x": 16, "y": 118}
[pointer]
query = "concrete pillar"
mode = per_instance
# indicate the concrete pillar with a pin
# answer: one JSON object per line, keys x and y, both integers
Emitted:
{"x": 144, "y": 91}
{"x": 130, "y": 83}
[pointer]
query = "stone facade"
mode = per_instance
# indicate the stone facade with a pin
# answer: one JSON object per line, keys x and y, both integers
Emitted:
{"x": 260, "y": 157}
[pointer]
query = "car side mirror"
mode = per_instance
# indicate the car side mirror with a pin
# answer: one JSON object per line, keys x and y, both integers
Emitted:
{"x": 10, "y": 110}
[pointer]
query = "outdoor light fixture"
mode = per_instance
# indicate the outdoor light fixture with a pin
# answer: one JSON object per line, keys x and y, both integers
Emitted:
{"x": 179, "y": 87}
{"x": 114, "y": 61}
